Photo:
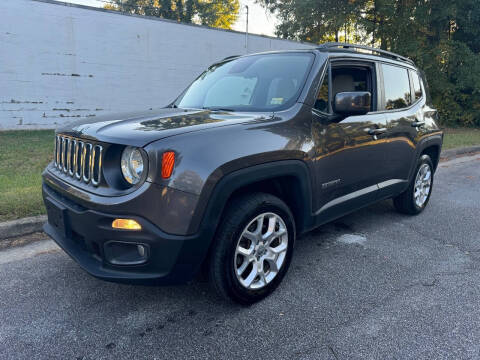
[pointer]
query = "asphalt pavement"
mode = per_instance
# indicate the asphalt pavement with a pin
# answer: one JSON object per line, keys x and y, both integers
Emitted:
{"x": 372, "y": 285}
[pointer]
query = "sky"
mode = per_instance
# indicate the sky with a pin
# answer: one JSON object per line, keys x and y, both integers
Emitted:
{"x": 259, "y": 20}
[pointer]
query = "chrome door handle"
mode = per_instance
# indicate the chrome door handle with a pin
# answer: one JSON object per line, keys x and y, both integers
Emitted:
{"x": 418, "y": 123}
{"x": 376, "y": 131}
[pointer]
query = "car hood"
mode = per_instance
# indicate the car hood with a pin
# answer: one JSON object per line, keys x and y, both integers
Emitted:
{"x": 141, "y": 128}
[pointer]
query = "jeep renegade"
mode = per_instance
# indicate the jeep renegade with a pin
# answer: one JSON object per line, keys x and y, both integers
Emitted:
{"x": 256, "y": 151}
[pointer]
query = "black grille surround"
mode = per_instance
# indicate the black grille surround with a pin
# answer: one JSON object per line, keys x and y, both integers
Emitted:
{"x": 79, "y": 159}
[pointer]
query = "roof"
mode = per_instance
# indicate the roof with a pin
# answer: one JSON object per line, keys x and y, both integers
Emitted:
{"x": 335, "y": 47}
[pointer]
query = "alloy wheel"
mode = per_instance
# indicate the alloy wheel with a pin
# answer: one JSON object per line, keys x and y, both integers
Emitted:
{"x": 261, "y": 251}
{"x": 423, "y": 184}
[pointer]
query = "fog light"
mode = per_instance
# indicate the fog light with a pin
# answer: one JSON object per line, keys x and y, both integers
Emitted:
{"x": 126, "y": 224}
{"x": 141, "y": 250}
{"x": 125, "y": 253}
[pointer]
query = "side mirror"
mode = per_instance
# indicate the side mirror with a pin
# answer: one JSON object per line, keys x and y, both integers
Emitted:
{"x": 352, "y": 103}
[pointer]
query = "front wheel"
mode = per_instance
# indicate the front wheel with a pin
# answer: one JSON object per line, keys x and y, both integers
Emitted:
{"x": 253, "y": 248}
{"x": 414, "y": 200}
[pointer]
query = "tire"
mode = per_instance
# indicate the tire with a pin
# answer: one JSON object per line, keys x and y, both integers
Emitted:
{"x": 406, "y": 202}
{"x": 238, "y": 233}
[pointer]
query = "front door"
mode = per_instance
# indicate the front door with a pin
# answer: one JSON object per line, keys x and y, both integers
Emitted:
{"x": 349, "y": 159}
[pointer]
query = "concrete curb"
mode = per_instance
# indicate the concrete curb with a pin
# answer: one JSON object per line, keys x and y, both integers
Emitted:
{"x": 448, "y": 154}
{"x": 21, "y": 227}
{"x": 34, "y": 224}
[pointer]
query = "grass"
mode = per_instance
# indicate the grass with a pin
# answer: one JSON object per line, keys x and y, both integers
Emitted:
{"x": 460, "y": 137}
{"x": 24, "y": 155}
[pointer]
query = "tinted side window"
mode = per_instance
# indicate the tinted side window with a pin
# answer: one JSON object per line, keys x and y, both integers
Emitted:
{"x": 417, "y": 88}
{"x": 397, "y": 87}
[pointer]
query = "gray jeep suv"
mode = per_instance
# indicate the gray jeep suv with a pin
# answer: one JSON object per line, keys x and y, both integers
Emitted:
{"x": 256, "y": 151}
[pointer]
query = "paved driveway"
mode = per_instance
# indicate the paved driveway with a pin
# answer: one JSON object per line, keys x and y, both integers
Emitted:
{"x": 372, "y": 285}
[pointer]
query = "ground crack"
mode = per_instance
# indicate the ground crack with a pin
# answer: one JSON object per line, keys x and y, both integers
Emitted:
{"x": 333, "y": 352}
{"x": 428, "y": 283}
{"x": 442, "y": 242}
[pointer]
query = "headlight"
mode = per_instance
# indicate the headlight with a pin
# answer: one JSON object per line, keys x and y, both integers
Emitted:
{"x": 132, "y": 165}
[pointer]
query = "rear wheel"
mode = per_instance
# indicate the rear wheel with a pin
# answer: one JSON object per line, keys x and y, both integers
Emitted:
{"x": 253, "y": 248}
{"x": 413, "y": 200}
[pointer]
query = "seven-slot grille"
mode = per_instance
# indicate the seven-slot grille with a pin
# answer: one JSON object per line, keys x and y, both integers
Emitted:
{"x": 79, "y": 159}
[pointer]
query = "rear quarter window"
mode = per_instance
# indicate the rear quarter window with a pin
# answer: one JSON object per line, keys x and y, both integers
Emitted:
{"x": 417, "y": 88}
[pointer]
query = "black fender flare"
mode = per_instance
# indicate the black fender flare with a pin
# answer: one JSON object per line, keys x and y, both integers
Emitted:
{"x": 214, "y": 196}
{"x": 426, "y": 142}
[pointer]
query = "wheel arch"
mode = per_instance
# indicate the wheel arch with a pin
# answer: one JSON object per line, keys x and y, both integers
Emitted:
{"x": 433, "y": 151}
{"x": 287, "y": 179}
{"x": 430, "y": 145}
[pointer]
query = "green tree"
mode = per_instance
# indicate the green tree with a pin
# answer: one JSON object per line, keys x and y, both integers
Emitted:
{"x": 215, "y": 13}
{"x": 442, "y": 37}
{"x": 314, "y": 20}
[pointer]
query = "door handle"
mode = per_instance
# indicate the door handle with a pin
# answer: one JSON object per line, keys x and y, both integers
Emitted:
{"x": 418, "y": 123}
{"x": 376, "y": 131}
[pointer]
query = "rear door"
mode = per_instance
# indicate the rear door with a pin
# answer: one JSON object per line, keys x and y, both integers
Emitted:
{"x": 402, "y": 112}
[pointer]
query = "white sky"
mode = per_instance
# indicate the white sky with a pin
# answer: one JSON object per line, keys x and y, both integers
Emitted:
{"x": 259, "y": 20}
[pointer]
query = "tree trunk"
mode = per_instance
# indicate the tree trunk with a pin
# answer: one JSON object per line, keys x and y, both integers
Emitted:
{"x": 383, "y": 43}
{"x": 374, "y": 22}
{"x": 179, "y": 10}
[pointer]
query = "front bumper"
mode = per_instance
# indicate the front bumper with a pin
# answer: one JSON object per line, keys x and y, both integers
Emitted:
{"x": 82, "y": 233}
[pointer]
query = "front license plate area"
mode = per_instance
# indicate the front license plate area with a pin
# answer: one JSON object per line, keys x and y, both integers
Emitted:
{"x": 57, "y": 216}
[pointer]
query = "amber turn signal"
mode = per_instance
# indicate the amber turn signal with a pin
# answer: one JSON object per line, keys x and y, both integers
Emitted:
{"x": 168, "y": 162}
{"x": 126, "y": 224}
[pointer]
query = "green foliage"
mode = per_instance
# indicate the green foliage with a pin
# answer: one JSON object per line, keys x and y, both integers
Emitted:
{"x": 23, "y": 156}
{"x": 218, "y": 13}
{"x": 215, "y": 13}
{"x": 460, "y": 137}
{"x": 442, "y": 37}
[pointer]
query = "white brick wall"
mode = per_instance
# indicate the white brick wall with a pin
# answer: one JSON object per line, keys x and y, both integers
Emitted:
{"x": 58, "y": 62}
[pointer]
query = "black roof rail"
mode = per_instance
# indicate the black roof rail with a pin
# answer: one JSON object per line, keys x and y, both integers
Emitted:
{"x": 353, "y": 47}
{"x": 230, "y": 57}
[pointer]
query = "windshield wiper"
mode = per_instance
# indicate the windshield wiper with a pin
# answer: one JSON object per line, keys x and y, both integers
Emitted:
{"x": 214, "y": 108}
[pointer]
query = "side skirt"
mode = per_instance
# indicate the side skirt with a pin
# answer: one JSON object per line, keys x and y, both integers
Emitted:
{"x": 356, "y": 200}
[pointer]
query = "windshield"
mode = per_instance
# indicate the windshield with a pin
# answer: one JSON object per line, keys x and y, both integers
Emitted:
{"x": 268, "y": 82}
